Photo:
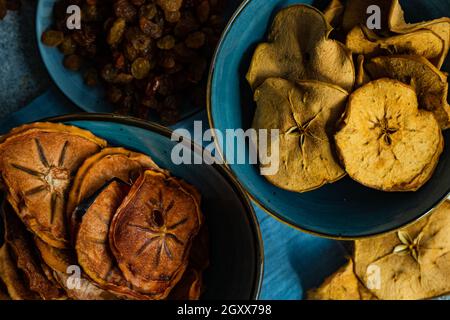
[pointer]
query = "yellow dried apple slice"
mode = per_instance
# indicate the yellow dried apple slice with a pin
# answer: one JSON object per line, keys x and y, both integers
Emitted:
{"x": 305, "y": 115}
{"x": 342, "y": 285}
{"x": 356, "y": 13}
{"x": 361, "y": 76}
{"x": 37, "y": 163}
{"x": 385, "y": 142}
{"x": 413, "y": 263}
{"x": 425, "y": 43}
{"x": 441, "y": 27}
{"x": 297, "y": 46}
{"x": 151, "y": 233}
{"x": 333, "y": 12}
{"x": 430, "y": 84}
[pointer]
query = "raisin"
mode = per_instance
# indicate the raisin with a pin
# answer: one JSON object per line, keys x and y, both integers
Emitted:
{"x": 123, "y": 78}
{"x": 150, "y": 28}
{"x": 137, "y": 3}
{"x": 172, "y": 16}
{"x": 166, "y": 43}
{"x": 130, "y": 52}
{"x": 85, "y": 36}
{"x": 202, "y": 11}
{"x": 114, "y": 94}
{"x": 148, "y": 11}
{"x": 141, "y": 43}
{"x": 186, "y": 25}
{"x": 109, "y": 73}
{"x": 68, "y": 46}
{"x": 115, "y": 34}
{"x": 72, "y": 62}
{"x": 52, "y": 38}
{"x": 167, "y": 62}
{"x": 91, "y": 77}
{"x": 119, "y": 60}
{"x": 124, "y": 9}
{"x": 195, "y": 40}
{"x": 170, "y": 5}
{"x": 140, "y": 68}
{"x": 89, "y": 13}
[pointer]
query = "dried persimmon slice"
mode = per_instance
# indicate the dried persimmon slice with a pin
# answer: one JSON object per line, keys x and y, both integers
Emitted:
{"x": 152, "y": 231}
{"x": 37, "y": 163}
{"x": 92, "y": 245}
{"x": 99, "y": 169}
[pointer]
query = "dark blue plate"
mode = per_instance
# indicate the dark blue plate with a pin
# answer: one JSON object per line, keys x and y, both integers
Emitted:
{"x": 71, "y": 83}
{"x": 236, "y": 247}
{"x": 344, "y": 209}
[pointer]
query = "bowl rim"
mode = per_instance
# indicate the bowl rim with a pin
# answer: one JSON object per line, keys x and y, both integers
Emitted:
{"x": 255, "y": 199}
{"x": 233, "y": 182}
{"x": 41, "y": 47}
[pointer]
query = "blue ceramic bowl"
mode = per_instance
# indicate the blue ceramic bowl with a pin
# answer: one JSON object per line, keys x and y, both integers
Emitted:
{"x": 344, "y": 209}
{"x": 71, "y": 83}
{"x": 236, "y": 252}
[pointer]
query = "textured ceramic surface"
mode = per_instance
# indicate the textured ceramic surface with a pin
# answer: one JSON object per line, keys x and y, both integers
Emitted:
{"x": 344, "y": 209}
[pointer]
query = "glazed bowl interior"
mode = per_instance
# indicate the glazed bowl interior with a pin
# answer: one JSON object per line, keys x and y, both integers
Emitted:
{"x": 344, "y": 209}
{"x": 236, "y": 253}
{"x": 71, "y": 84}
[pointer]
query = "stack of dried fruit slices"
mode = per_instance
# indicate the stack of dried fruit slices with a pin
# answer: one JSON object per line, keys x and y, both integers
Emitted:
{"x": 373, "y": 108}
{"x": 135, "y": 231}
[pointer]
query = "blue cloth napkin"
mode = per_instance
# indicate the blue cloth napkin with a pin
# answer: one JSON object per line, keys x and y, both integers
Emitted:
{"x": 294, "y": 261}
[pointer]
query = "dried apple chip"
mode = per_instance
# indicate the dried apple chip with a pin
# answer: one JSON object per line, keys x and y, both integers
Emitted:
{"x": 305, "y": 115}
{"x": 414, "y": 262}
{"x": 356, "y": 13}
{"x": 430, "y": 84}
{"x": 297, "y": 46}
{"x": 37, "y": 163}
{"x": 342, "y": 285}
{"x": 361, "y": 76}
{"x": 425, "y": 43}
{"x": 385, "y": 142}
{"x": 333, "y": 12}
{"x": 441, "y": 27}
{"x": 151, "y": 233}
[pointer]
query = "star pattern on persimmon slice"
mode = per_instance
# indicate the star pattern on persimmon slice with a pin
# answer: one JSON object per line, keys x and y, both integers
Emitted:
{"x": 159, "y": 231}
{"x": 54, "y": 178}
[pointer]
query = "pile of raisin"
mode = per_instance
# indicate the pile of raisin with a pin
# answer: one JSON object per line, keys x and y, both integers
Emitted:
{"x": 151, "y": 55}
{"x": 6, "y": 5}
